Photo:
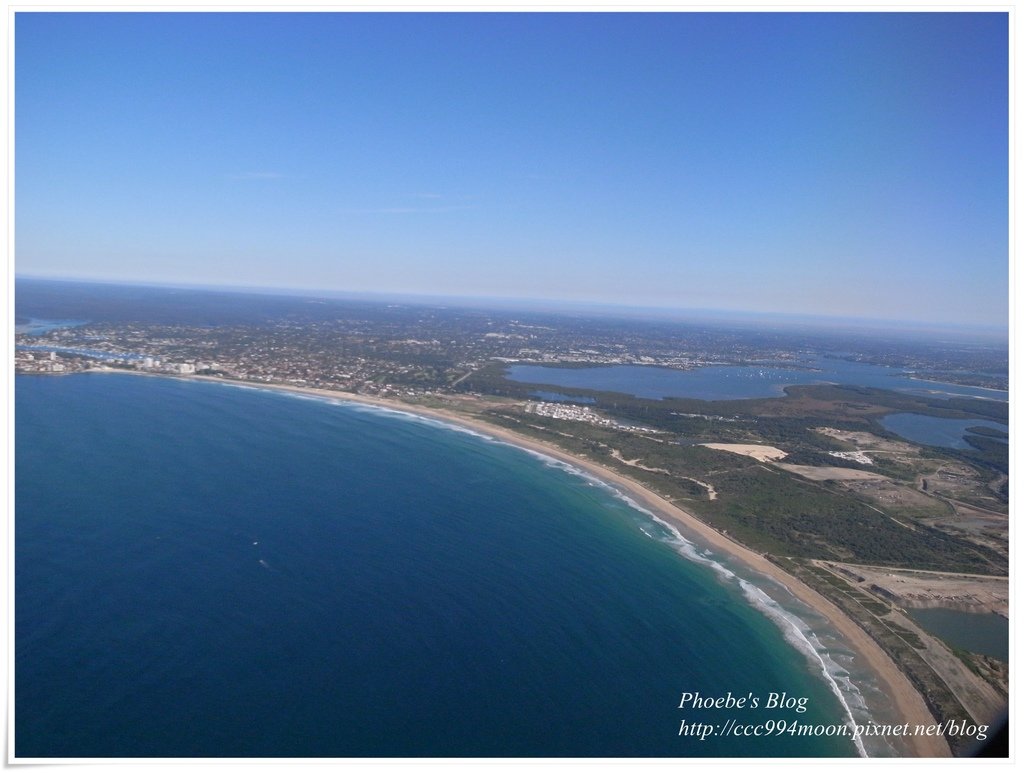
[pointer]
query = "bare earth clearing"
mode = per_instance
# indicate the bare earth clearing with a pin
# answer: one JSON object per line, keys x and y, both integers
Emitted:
{"x": 761, "y": 453}
{"x": 831, "y": 473}
{"x": 922, "y": 589}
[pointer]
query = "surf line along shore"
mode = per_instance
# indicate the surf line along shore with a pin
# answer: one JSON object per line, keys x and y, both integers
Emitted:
{"x": 907, "y": 701}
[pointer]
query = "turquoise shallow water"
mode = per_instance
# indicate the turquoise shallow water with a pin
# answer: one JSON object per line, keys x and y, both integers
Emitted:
{"x": 204, "y": 570}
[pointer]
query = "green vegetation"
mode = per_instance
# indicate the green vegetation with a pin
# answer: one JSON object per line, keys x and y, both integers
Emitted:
{"x": 992, "y": 450}
{"x": 989, "y": 432}
{"x": 908, "y": 636}
{"x": 781, "y": 514}
{"x": 966, "y": 658}
{"x": 764, "y": 507}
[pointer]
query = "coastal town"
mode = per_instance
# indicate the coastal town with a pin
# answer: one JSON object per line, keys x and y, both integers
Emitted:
{"x": 582, "y": 413}
{"x": 360, "y": 346}
{"x": 739, "y": 470}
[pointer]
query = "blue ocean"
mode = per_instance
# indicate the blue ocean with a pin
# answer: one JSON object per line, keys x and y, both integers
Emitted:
{"x": 204, "y": 570}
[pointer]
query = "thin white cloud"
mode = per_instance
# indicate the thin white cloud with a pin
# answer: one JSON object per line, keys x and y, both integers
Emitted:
{"x": 402, "y": 210}
{"x": 256, "y": 176}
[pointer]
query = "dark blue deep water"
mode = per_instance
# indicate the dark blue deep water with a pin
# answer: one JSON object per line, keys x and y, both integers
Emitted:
{"x": 203, "y": 570}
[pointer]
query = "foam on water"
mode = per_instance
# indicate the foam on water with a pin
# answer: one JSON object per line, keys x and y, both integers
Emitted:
{"x": 800, "y": 636}
{"x": 794, "y": 629}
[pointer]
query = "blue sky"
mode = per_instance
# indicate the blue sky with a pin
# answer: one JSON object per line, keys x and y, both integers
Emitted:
{"x": 843, "y": 164}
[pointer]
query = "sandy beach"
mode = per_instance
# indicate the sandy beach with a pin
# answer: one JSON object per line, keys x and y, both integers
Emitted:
{"x": 909, "y": 705}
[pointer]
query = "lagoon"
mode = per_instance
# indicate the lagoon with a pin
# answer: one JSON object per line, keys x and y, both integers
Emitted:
{"x": 935, "y": 430}
{"x": 737, "y": 382}
{"x": 984, "y": 633}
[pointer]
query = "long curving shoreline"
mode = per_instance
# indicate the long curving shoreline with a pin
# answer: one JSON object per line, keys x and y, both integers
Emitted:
{"x": 908, "y": 703}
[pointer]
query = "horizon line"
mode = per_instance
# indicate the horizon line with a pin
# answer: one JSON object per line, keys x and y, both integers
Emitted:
{"x": 552, "y": 304}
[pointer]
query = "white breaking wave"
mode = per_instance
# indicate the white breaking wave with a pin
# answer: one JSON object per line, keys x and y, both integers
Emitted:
{"x": 795, "y": 630}
{"x": 797, "y": 633}
{"x": 418, "y": 418}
